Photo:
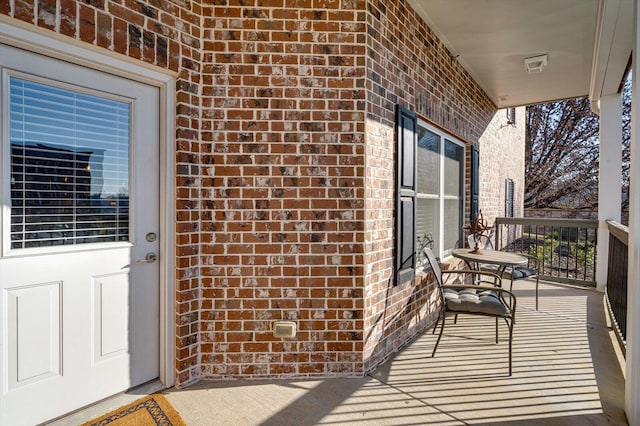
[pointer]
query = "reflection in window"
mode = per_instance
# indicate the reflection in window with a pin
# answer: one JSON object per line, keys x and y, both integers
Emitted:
{"x": 69, "y": 166}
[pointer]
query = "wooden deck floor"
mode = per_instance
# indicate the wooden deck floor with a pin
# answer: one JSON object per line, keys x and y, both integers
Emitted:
{"x": 565, "y": 368}
{"x": 566, "y": 372}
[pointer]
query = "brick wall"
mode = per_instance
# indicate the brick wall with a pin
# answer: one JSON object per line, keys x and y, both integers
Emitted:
{"x": 282, "y": 187}
{"x": 285, "y": 168}
{"x": 501, "y": 157}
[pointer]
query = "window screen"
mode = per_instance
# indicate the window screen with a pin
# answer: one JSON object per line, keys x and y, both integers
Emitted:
{"x": 69, "y": 166}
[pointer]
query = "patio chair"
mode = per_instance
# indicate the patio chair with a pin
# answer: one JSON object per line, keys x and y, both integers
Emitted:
{"x": 530, "y": 270}
{"x": 484, "y": 298}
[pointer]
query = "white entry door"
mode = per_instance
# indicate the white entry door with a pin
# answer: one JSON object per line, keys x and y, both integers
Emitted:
{"x": 79, "y": 280}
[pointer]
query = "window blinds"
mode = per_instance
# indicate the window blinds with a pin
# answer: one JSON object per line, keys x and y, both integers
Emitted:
{"x": 69, "y": 166}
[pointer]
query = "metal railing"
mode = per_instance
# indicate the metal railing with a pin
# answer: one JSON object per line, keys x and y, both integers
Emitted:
{"x": 565, "y": 248}
{"x": 617, "y": 268}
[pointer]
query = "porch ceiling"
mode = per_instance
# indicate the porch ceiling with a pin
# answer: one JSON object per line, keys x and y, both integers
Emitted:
{"x": 587, "y": 43}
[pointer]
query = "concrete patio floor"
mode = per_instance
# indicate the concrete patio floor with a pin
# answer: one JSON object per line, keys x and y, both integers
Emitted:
{"x": 566, "y": 372}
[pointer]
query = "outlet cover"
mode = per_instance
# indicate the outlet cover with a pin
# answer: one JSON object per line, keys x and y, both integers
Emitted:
{"x": 285, "y": 329}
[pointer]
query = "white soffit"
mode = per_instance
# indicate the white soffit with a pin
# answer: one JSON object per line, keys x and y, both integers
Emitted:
{"x": 493, "y": 38}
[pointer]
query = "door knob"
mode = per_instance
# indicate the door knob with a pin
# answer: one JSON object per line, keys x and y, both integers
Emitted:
{"x": 148, "y": 258}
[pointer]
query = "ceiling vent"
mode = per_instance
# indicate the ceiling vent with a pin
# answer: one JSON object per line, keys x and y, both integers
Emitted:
{"x": 535, "y": 64}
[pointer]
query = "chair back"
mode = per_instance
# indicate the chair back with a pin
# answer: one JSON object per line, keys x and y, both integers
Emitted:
{"x": 435, "y": 266}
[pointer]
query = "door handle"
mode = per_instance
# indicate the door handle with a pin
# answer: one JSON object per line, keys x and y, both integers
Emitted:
{"x": 148, "y": 258}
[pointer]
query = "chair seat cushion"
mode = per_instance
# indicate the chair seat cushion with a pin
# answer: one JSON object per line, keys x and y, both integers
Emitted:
{"x": 475, "y": 301}
{"x": 520, "y": 273}
{"x": 494, "y": 269}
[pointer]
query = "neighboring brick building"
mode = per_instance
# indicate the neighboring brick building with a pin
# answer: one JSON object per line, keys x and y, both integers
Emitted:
{"x": 285, "y": 168}
{"x": 502, "y": 156}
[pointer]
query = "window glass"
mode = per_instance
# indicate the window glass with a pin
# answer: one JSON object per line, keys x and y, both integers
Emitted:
{"x": 428, "y": 161}
{"x": 440, "y": 190}
{"x": 427, "y": 221}
{"x": 69, "y": 166}
{"x": 452, "y": 225}
{"x": 453, "y": 168}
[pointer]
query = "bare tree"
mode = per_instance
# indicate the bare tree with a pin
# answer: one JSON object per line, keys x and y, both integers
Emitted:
{"x": 562, "y": 155}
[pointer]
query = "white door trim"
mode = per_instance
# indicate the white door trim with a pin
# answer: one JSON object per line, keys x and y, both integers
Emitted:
{"x": 28, "y": 37}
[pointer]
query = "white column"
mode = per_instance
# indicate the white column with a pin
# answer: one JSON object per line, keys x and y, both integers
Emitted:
{"x": 632, "y": 385}
{"x": 609, "y": 182}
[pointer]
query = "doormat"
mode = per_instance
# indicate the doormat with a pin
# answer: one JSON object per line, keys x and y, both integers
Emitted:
{"x": 153, "y": 410}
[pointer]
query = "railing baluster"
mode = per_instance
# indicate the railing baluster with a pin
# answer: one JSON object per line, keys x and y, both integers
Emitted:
{"x": 544, "y": 248}
{"x": 584, "y": 253}
{"x": 521, "y": 239}
{"x": 565, "y": 232}
{"x": 595, "y": 253}
{"x": 552, "y": 252}
{"x": 587, "y": 250}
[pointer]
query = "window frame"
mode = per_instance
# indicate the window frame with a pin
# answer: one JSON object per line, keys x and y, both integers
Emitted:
{"x": 441, "y": 196}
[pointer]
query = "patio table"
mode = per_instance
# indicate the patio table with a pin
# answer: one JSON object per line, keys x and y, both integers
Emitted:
{"x": 501, "y": 259}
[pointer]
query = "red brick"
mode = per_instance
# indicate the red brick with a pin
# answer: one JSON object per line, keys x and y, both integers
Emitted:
{"x": 87, "y": 22}
{"x": 120, "y": 36}
{"x": 24, "y": 10}
{"x": 104, "y": 30}
{"x": 5, "y": 7}
{"x": 46, "y": 14}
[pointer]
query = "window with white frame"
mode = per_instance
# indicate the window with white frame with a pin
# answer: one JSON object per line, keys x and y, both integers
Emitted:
{"x": 439, "y": 189}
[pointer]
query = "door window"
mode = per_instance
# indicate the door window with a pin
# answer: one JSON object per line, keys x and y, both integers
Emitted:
{"x": 69, "y": 155}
